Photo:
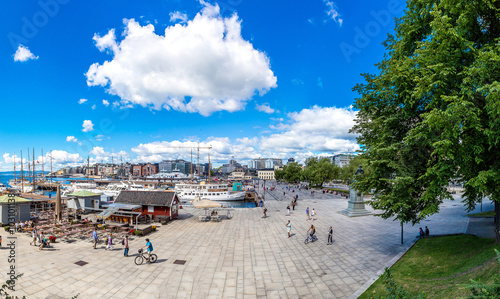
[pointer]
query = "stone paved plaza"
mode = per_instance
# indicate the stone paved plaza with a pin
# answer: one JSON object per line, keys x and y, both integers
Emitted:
{"x": 243, "y": 257}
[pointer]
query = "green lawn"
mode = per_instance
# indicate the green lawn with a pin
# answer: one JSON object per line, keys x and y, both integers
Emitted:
{"x": 440, "y": 267}
{"x": 483, "y": 214}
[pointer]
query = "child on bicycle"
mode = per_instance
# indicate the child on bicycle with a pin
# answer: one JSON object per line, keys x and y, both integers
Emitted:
{"x": 311, "y": 231}
{"x": 149, "y": 248}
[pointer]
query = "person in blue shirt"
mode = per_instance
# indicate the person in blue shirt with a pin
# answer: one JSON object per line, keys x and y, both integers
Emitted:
{"x": 149, "y": 248}
{"x": 95, "y": 238}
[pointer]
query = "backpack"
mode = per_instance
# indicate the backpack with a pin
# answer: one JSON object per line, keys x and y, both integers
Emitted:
{"x": 123, "y": 242}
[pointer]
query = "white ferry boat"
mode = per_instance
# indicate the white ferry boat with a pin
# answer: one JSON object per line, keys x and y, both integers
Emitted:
{"x": 212, "y": 191}
{"x": 174, "y": 174}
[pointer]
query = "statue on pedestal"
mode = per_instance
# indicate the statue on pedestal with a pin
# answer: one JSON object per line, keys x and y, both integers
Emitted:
{"x": 356, "y": 206}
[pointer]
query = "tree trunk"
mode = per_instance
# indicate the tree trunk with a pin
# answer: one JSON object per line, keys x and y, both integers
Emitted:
{"x": 497, "y": 221}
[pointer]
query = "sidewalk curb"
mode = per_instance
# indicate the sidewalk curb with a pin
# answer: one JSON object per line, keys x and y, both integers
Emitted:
{"x": 391, "y": 263}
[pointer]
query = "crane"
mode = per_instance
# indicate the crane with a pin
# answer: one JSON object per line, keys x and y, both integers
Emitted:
{"x": 197, "y": 147}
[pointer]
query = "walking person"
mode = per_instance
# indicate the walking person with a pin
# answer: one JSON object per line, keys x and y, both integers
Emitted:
{"x": 125, "y": 246}
{"x": 110, "y": 242}
{"x": 0, "y": 241}
{"x": 288, "y": 210}
{"x": 330, "y": 236}
{"x": 293, "y": 205}
{"x": 289, "y": 228}
{"x": 95, "y": 238}
{"x": 42, "y": 240}
{"x": 313, "y": 214}
{"x": 307, "y": 213}
{"x": 35, "y": 235}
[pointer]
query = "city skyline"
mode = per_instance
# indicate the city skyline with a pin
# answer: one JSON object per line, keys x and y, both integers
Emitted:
{"x": 149, "y": 82}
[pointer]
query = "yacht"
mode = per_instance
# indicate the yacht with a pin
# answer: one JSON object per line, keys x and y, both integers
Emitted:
{"x": 3, "y": 188}
{"x": 211, "y": 191}
{"x": 174, "y": 174}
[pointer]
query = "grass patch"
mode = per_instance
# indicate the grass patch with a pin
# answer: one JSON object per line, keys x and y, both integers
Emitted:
{"x": 483, "y": 214}
{"x": 441, "y": 267}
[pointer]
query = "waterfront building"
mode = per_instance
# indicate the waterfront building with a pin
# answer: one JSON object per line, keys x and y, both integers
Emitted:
{"x": 157, "y": 204}
{"x": 168, "y": 166}
{"x": 262, "y": 163}
{"x": 230, "y": 167}
{"x": 341, "y": 160}
{"x": 290, "y": 160}
{"x": 265, "y": 174}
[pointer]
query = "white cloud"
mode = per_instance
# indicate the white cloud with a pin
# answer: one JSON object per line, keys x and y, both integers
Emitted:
{"x": 178, "y": 16}
{"x": 60, "y": 157}
{"x": 23, "y": 54}
{"x": 105, "y": 103}
{"x": 103, "y": 156}
{"x": 318, "y": 129}
{"x": 81, "y": 101}
{"x": 203, "y": 66}
{"x": 10, "y": 159}
{"x": 94, "y": 106}
{"x": 87, "y": 126}
{"x": 71, "y": 139}
{"x": 264, "y": 108}
{"x": 309, "y": 132}
{"x": 101, "y": 137}
{"x": 332, "y": 11}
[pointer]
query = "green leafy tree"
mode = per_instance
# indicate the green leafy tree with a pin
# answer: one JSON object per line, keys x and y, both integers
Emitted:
{"x": 432, "y": 114}
{"x": 292, "y": 172}
{"x": 319, "y": 171}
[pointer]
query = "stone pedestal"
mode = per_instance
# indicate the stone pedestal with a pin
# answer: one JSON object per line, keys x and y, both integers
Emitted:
{"x": 356, "y": 205}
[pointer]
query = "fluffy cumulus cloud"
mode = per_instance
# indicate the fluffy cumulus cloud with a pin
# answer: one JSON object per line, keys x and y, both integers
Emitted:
{"x": 81, "y": 101}
{"x": 178, "y": 16}
{"x": 222, "y": 149}
{"x": 332, "y": 12}
{"x": 62, "y": 157}
{"x": 23, "y": 54}
{"x": 201, "y": 66}
{"x": 264, "y": 108}
{"x": 88, "y": 126}
{"x": 318, "y": 129}
{"x": 105, "y": 103}
{"x": 10, "y": 159}
{"x": 101, "y": 155}
{"x": 71, "y": 139}
{"x": 310, "y": 132}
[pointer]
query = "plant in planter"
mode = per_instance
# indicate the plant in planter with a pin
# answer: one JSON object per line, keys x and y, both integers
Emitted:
{"x": 52, "y": 239}
{"x": 132, "y": 231}
{"x": 164, "y": 223}
{"x": 7, "y": 228}
{"x": 138, "y": 233}
{"x": 153, "y": 227}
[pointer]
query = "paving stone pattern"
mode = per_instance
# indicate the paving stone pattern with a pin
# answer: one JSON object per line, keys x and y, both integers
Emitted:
{"x": 243, "y": 257}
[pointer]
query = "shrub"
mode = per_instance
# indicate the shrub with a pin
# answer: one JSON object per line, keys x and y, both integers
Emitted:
{"x": 138, "y": 233}
{"x": 52, "y": 239}
{"x": 132, "y": 231}
{"x": 153, "y": 227}
{"x": 7, "y": 228}
{"x": 164, "y": 223}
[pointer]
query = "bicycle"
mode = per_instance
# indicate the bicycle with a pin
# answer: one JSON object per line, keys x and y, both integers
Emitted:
{"x": 310, "y": 239}
{"x": 141, "y": 258}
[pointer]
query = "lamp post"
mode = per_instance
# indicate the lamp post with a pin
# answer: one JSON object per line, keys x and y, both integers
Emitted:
{"x": 264, "y": 194}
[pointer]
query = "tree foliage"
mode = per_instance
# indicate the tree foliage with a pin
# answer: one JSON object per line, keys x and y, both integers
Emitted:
{"x": 432, "y": 113}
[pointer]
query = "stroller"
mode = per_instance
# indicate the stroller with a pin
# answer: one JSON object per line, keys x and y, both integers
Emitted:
{"x": 44, "y": 244}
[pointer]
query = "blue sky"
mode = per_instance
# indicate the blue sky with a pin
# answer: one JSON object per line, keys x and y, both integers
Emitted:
{"x": 249, "y": 78}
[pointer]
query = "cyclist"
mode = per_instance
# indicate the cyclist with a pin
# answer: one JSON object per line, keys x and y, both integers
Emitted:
{"x": 311, "y": 231}
{"x": 149, "y": 248}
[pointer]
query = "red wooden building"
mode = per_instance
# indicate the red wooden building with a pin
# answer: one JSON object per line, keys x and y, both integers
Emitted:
{"x": 157, "y": 204}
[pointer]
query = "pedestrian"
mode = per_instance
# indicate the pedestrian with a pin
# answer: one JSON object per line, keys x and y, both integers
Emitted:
{"x": 35, "y": 235}
{"x": 307, "y": 213}
{"x": 330, "y": 236}
{"x": 110, "y": 242}
{"x": 283, "y": 193}
{"x": 313, "y": 214}
{"x": 125, "y": 246}
{"x": 421, "y": 233}
{"x": 0, "y": 241}
{"x": 95, "y": 238}
{"x": 289, "y": 228}
{"x": 42, "y": 240}
{"x": 288, "y": 210}
{"x": 426, "y": 231}
{"x": 293, "y": 205}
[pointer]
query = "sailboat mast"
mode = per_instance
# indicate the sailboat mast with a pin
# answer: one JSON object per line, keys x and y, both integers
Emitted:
{"x": 34, "y": 182}
{"x": 22, "y": 174}
{"x": 209, "y": 168}
{"x": 43, "y": 168}
{"x": 51, "y": 168}
{"x": 15, "y": 175}
{"x": 29, "y": 166}
{"x": 198, "y": 158}
{"x": 88, "y": 167}
{"x": 191, "y": 166}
